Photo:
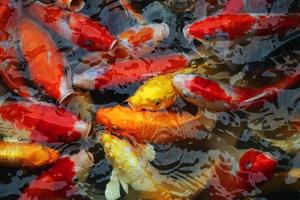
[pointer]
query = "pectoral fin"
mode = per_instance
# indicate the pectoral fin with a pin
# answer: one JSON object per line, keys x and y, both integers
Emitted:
{"x": 147, "y": 151}
{"x": 112, "y": 191}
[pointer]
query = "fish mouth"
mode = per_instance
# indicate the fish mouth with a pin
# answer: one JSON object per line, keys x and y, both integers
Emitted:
{"x": 186, "y": 33}
{"x": 76, "y": 5}
{"x": 113, "y": 45}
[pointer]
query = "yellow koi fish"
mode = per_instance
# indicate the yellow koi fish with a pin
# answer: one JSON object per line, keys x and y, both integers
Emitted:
{"x": 157, "y": 93}
{"x": 131, "y": 168}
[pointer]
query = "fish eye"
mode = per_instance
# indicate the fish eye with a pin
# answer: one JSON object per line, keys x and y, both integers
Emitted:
{"x": 75, "y": 179}
{"x": 207, "y": 37}
{"x": 248, "y": 165}
{"x": 222, "y": 35}
{"x": 115, "y": 127}
{"x": 157, "y": 102}
{"x": 89, "y": 43}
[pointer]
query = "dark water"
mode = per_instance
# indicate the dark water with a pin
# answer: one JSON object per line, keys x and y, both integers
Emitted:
{"x": 260, "y": 62}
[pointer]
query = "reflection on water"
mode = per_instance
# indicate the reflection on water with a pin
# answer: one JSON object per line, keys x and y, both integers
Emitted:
{"x": 263, "y": 60}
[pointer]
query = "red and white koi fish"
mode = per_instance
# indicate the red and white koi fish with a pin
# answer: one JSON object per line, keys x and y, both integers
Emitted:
{"x": 59, "y": 182}
{"x": 144, "y": 37}
{"x": 42, "y": 57}
{"x": 134, "y": 42}
{"x": 75, "y": 27}
{"x": 130, "y": 71}
{"x": 41, "y": 122}
{"x": 255, "y": 168}
{"x": 9, "y": 63}
{"x": 224, "y": 27}
{"x": 216, "y": 95}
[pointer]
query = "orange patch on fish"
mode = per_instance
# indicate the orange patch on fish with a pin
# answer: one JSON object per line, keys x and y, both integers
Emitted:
{"x": 136, "y": 38}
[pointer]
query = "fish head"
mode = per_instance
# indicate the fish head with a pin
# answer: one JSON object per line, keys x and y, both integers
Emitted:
{"x": 117, "y": 150}
{"x": 220, "y": 28}
{"x": 114, "y": 117}
{"x": 156, "y": 94}
{"x": 257, "y": 165}
{"x": 83, "y": 162}
{"x": 202, "y": 91}
{"x": 206, "y": 31}
{"x": 94, "y": 36}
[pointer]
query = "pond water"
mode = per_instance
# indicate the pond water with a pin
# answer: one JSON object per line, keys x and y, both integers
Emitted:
{"x": 254, "y": 64}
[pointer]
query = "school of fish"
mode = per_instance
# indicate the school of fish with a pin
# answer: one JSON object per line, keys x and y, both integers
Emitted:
{"x": 32, "y": 128}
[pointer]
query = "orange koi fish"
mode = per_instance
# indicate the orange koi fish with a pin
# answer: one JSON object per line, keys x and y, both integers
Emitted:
{"x": 42, "y": 58}
{"x": 75, "y": 27}
{"x": 41, "y": 122}
{"x": 224, "y": 27}
{"x": 147, "y": 126}
{"x": 130, "y": 71}
{"x": 59, "y": 182}
{"x": 27, "y": 155}
{"x": 9, "y": 63}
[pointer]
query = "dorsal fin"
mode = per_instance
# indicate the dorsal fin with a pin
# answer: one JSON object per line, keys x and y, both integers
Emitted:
{"x": 234, "y": 6}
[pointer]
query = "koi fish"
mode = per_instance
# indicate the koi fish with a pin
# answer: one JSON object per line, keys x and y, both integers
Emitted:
{"x": 142, "y": 39}
{"x": 40, "y": 122}
{"x": 130, "y": 163}
{"x": 9, "y": 63}
{"x": 43, "y": 57}
{"x": 255, "y": 168}
{"x": 27, "y": 155}
{"x": 156, "y": 93}
{"x": 216, "y": 95}
{"x": 133, "y": 42}
{"x": 59, "y": 182}
{"x": 125, "y": 72}
{"x": 223, "y": 27}
{"x": 75, "y": 27}
{"x": 147, "y": 126}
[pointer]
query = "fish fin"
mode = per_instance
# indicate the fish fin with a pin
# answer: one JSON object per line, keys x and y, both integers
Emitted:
{"x": 112, "y": 190}
{"x": 147, "y": 151}
{"x": 208, "y": 122}
{"x": 8, "y": 129}
{"x": 124, "y": 186}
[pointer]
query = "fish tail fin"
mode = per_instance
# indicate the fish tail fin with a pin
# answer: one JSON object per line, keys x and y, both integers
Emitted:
{"x": 208, "y": 119}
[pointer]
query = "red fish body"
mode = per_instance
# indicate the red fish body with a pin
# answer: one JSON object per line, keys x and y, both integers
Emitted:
{"x": 224, "y": 27}
{"x": 9, "y": 63}
{"x": 215, "y": 95}
{"x": 41, "y": 122}
{"x": 59, "y": 181}
{"x": 42, "y": 57}
{"x": 124, "y": 72}
{"x": 255, "y": 168}
{"x": 75, "y": 27}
